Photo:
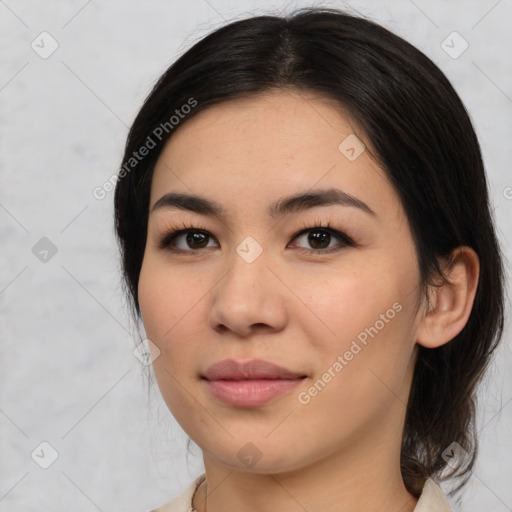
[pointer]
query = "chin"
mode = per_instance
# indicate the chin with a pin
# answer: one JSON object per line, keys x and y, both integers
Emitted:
{"x": 253, "y": 456}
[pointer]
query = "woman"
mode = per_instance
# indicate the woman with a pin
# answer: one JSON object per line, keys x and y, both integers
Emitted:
{"x": 305, "y": 229}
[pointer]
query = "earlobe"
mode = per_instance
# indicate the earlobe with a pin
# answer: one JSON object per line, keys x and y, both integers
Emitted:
{"x": 450, "y": 304}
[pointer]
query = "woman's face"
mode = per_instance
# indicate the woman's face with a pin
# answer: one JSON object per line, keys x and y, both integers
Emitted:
{"x": 337, "y": 312}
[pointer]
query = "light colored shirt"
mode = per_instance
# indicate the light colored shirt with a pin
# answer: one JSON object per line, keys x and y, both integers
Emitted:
{"x": 432, "y": 499}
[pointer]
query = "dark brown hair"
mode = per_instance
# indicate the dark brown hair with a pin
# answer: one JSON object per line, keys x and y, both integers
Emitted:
{"x": 422, "y": 137}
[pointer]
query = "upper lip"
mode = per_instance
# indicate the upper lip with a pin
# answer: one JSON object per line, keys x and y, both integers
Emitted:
{"x": 230, "y": 369}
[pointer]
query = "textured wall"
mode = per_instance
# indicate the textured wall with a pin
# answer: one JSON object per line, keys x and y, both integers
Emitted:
{"x": 73, "y": 74}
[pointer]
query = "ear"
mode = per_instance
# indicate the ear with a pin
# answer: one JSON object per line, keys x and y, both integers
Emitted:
{"x": 450, "y": 304}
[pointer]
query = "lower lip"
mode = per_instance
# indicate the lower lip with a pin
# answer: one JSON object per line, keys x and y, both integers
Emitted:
{"x": 250, "y": 393}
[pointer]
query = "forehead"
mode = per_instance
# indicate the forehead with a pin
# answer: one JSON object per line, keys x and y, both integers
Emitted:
{"x": 269, "y": 146}
{"x": 283, "y": 123}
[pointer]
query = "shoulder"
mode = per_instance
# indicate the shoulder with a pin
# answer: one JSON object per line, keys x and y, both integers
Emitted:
{"x": 432, "y": 499}
{"x": 182, "y": 502}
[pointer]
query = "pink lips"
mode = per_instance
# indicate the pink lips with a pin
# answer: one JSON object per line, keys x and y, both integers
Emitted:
{"x": 249, "y": 384}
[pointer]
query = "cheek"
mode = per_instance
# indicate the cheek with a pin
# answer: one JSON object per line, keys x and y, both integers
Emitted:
{"x": 348, "y": 303}
{"x": 364, "y": 367}
{"x": 152, "y": 301}
{"x": 166, "y": 298}
{"x": 166, "y": 302}
{"x": 368, "y": 317}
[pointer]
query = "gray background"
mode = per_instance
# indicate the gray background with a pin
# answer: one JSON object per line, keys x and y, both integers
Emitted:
{"x": 68, "y": 374}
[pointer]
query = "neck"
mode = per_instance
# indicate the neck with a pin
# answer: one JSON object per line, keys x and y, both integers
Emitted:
{"x": 343, "y": 482}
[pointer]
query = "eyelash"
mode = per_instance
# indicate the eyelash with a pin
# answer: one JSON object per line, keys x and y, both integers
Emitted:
{"x": 167, "y": 239}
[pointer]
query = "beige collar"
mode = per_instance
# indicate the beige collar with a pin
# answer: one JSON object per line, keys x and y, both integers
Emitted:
{"x": 432, "y": 499}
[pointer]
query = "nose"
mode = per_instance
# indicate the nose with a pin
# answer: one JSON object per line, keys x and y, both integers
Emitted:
{"x": 248, "y": 298}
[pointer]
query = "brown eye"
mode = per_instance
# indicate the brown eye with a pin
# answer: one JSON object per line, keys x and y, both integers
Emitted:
{"x": 190, "y": 240}
{"x": 196, "y": 240}
{"x": 320, "y": 239}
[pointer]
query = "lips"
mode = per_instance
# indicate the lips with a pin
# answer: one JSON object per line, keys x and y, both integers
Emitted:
{"x": 253, "y": 369}
{"x": 249, "y": 384}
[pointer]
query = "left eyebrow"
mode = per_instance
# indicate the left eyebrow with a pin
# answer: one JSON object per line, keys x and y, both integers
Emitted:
{"x": 283, "y": 206}
{"x": 308, "y": 200}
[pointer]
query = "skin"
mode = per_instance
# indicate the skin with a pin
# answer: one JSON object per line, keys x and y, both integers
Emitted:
{"x": 339, "y": 452}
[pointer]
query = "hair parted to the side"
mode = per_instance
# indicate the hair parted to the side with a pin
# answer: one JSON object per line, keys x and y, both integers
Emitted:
{"x": 423, "y": 138}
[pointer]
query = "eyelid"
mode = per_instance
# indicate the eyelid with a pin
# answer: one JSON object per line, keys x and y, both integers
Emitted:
{"x": 173, "y": 232}
{"x": 339, "y": 235}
